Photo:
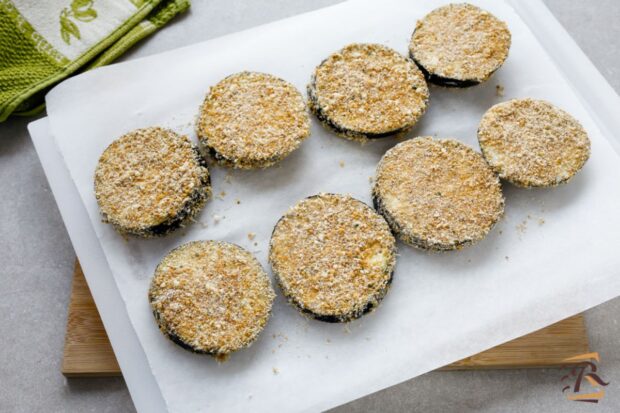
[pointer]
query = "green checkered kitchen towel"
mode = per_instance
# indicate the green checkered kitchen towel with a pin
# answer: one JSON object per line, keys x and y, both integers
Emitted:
{"x": 44, "y": 41}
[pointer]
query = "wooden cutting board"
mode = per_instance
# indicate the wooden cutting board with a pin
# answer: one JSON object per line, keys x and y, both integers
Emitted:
{"x": 88, "y": 351}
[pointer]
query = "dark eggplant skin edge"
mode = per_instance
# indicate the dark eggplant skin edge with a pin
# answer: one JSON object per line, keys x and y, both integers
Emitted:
{"x": 521, "y": 183}
{"x": 446, "y": 81}
{"x": 339, "y": 130}
{"x": 369, "y": 307}
{"x": 346, "y": 133}
{"x": 410, "y": 239}
{"x": 178, "y": 340}
{"x": 239, "y": 163}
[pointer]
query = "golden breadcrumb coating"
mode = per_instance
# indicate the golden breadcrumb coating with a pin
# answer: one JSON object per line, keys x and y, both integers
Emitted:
{"x": 211, "y": 297}
{"x": 368, "y": 90}
{"x": 532, "y": 143}
{"x": 460, "y": 42}
{"x": 252, "y": 120}
{"x": 149, "y": 176}
{"x": 333, "y": 256}
{"x": 437, "y": 194}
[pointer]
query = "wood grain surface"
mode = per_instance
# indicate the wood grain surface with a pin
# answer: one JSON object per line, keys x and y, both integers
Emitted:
{"x": 88, "y": 351}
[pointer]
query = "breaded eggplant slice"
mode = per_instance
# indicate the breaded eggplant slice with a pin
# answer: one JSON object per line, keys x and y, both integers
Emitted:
{"x": 211, "y": 297}
{"x": 367, "y": 91}
{"x": 532, "y": 143}
{"x": 252, "y": 120}
{"x": 437, "y": 194}
{"x": 459, "y": 45}
{"x": 333, "y": 257}
{"x": 150, "y": 182}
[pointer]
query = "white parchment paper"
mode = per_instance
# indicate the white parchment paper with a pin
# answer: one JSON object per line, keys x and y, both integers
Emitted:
{"x": 553, "y": 255}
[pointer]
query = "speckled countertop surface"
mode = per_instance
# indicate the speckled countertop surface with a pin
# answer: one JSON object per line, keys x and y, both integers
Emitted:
{"x": 37, "y": 259}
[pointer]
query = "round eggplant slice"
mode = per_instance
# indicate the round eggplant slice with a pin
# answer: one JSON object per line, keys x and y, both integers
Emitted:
{"x": 437, "y": 194}
{"x": 368, "y": 91}
{"x": 333, "y": 256}
{"x": 211, "y": 297}
{"x": 252, "y": 120}
{"x": 150, "y": 182}
{"x": 532, "y": 143}
{"x": 459, "y": 45}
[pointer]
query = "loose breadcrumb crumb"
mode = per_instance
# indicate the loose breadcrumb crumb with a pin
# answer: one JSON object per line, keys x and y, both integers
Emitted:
{"x": 499, "y": 91}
